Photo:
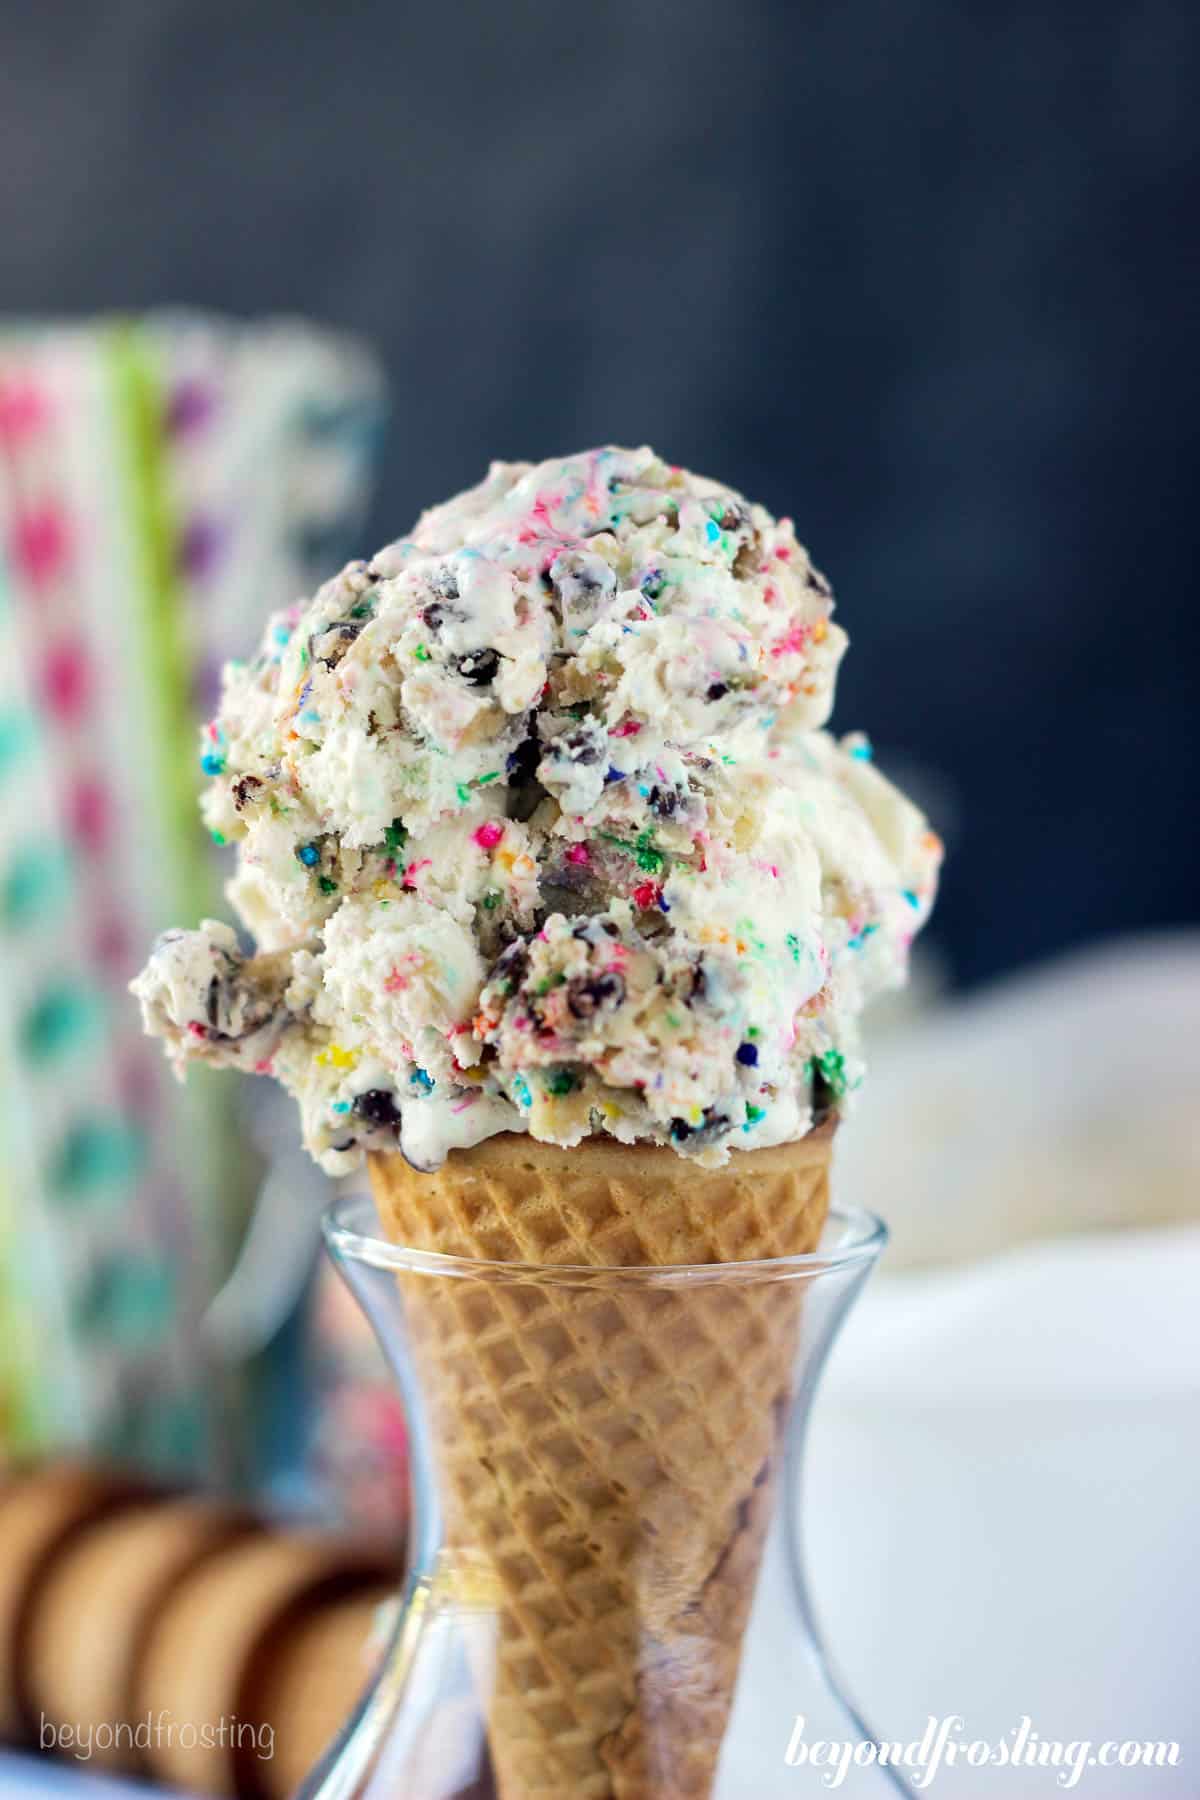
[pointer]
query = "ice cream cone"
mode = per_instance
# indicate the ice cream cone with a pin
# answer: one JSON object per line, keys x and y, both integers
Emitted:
{"x": 609, "y": 1450}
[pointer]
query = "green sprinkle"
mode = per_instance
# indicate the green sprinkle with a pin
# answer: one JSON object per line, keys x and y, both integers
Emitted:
{"x": 550, "y": 981}
{"x": 491, "y": 900}
{"x": 363, "y": 610}
{"x": 218, "y": 837}
{"x": 421, "y": 653}
{"x": 464, "y": 794}
{"x": 832, "y": 1065}
{"x": 746, "y": 928}
{"x": 395, "y": 837}
{"x": 492, "y": 775}
{"x": 648, "y": 857}
{"x": 753, "y": 1113}
{"x": 793, "y": 944}
{"x": 326, "y": 884}
{"x": 561, "y": 1082}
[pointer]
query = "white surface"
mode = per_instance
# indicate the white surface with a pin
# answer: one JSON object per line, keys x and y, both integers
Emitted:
{"x": 44, "y": 1778}
{"x": 1004, "y": 1469}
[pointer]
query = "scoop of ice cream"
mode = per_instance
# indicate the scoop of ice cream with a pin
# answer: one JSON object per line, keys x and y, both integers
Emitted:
{"x": 537, "y": 829}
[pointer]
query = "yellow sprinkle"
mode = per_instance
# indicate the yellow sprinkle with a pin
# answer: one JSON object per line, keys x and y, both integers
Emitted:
{"x": 475, "y": 1073}
{"x": 819, "y": 631}
{"x": 505, "y": 858}
{"x": 334, "y": 1057}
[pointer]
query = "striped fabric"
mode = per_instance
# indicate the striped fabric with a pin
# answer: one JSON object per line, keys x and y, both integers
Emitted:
{"x": 163, "y": 482}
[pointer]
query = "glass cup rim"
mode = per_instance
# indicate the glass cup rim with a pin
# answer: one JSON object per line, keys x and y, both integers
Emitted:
{"x": 351, "y": 1226}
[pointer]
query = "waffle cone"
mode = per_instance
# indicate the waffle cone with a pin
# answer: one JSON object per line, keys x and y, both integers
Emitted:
{"x": 610, "y": 1452}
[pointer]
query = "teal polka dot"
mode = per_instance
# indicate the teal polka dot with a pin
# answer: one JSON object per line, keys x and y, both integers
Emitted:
{"x": 129, "y": 1302}
{"x": 61, "y": 1017}
{"x": 173, "y": 1431}
{"x": 34, "y": 886}
{"x": 98, "y": 1154}
{"x": 16, "y": 736}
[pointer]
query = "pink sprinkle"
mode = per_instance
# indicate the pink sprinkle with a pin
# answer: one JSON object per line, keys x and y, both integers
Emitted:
{"x": 395, "y": 982}
{"x": 414, "y": 869}
{"x": 489, "y": 835}
{"x": 540, "y": 523}
{"x": 794, "y": 642}
{"x": 463, "y": 1104}
{"x": 263, "y": 1067}
{"x": 579, "y": 854}
{"x": 197, "y": 1030}
{"x": 646, "y": 894}
{"x": 629, "y": 728}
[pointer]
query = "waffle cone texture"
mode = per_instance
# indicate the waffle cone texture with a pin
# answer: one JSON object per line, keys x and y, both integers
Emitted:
{"x": 608, "y": 1449}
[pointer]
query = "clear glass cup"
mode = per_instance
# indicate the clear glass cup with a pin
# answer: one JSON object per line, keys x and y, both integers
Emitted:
{"x": 604, "y": 1595}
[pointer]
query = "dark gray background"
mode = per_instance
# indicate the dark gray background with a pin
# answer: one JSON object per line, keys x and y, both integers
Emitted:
{"x": 921, "y": 272}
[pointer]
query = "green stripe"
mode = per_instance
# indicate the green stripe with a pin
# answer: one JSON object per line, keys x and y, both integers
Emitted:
{"x": 140, "y": 411}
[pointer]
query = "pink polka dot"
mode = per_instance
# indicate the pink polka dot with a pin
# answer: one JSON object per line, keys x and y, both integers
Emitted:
{"x": 90, "y": 814}
{"x": 111, "y": 946}
{"x": 139, "y": 1085}
{"x": 41, "y": 540}
{"x": 23, "y": 409}
{"x": 191, "y": 406}
{"x": 67, "y": 682}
